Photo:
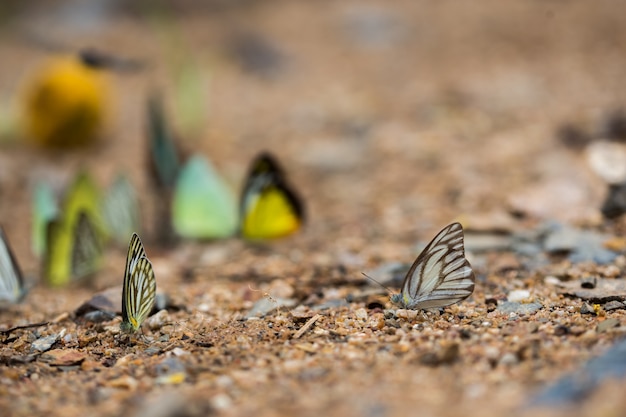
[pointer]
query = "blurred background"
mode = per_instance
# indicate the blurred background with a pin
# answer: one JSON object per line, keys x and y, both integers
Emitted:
{"x": 390, "y": 118}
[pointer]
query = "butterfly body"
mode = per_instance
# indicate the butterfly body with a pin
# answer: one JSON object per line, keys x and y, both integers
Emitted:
{"x": 440, "y": 276}
{"x": 139, "y": 288}
{"x": 269, "y": 207}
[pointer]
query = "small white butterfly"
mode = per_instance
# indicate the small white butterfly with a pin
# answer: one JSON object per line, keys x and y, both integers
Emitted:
{"x": 440, "y": 275}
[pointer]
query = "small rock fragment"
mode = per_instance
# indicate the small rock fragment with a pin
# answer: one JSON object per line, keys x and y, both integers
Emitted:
{"x": 608, "y": 161}
{"x": 605, "y": 290}
{"x": 607, "y": 324}
{"x": 266, "y": 305}
{"x": 613, "y": 305}
{"x": 124, "y": 382}
{"x": 588, "y": 282}
{"x": 518, "y": 295}
{"x": 587, "y": 308}
{"x": 108, "y": 301}
{"x": 44, "y": 343}
{"x": 509, "y": 307}
{"x": 63, "y": 357}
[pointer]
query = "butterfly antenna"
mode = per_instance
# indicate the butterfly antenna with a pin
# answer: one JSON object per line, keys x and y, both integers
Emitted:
{"x": 373, "y": 280}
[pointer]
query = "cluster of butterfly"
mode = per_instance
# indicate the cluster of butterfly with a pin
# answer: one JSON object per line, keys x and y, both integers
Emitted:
{"x": 71, "y": 239}
{"x": 440, "y": 276}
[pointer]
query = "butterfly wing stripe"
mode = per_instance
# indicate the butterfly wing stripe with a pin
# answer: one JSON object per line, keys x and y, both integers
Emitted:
{"x": 86, "y": 247}
{"x": 447, "y": 234}
{"x": 135, "y": 252}
{"x": 142, "y": 290}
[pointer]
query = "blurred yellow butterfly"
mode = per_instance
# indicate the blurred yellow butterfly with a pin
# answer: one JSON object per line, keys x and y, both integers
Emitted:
{"x": 75, "y": 239}
{"x": 269, "y": 208}
{"x": 63, "y": 104}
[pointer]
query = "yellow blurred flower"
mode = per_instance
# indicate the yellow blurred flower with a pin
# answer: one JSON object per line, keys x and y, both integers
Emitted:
{"x": 63, "y": 104}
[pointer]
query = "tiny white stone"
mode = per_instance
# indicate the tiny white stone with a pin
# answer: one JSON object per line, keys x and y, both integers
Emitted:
{"x": 222, "y": 402}
{"x": 517, "y": 296}
{"x": 551, "y": 280}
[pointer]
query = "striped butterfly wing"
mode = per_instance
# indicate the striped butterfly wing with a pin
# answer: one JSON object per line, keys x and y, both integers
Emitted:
{"x": 86, "y": 248}
{"x": 139, "y": 289}
{"x": 140, "y": 294}
{"x": 11, "y": 281}
{"x": 440, "y": 275}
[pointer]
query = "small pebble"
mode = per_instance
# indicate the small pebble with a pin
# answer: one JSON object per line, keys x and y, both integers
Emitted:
{"x": 518, "y": 295}
{"x": 607, "y": 324}
{"x": 45, "y": 343}
{"x": 361, "y": 314}
{"x": 509, "y": 359}
{"x": 509, "y": 307}
{"x": 587, "y": 308}
{"x": 613, "y": 305}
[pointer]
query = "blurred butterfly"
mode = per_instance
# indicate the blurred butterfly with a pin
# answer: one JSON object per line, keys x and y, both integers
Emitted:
{"x": 203, "y": 205}
{"x": 120, "y": 210}
{"x": 75, "y": 239}
{"x": 11, "y": 282}
{"x": 440, "y": 275}
{"x": 269, "y": 208}
{"x": 164, "y": 157}
{"x": 45, "y": 209}
{"x": 73, "y": 251}
{"x": 64, "y": 103}
{"x": 164, "y": 164}
{"x": 139, "y": 289}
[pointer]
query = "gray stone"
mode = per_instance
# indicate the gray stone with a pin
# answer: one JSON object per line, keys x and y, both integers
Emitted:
{"x": 508, "y": 307}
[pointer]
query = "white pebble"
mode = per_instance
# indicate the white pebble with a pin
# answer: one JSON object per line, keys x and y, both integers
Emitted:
{"x": 517, "y": 296}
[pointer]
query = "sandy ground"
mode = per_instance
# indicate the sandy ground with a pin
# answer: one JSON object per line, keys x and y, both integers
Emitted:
{"x": 392, "y": 121}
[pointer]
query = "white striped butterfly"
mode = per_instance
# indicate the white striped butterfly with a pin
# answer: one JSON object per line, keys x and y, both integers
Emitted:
{"x": 139, "y": 290}
{"x": 11, "y": 281}
{"x": 440, "y": 275}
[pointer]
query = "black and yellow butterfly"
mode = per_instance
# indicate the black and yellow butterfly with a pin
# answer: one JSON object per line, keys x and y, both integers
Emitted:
{"x": 139, "y": 288}
{"x": 440, "y": 275}
{"x": 75, "y": 239}
{"x": 269, "y": 208}
{"x": 11, "y": 282}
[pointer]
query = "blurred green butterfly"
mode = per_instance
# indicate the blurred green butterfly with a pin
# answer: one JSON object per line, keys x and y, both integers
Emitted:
{"x": 203, "y": 205}
{"x": 11, "y": 282}
{"x": 45, "y": 209}
{"x": 269, "y": 207}
{"x": 75, "y": 239}
{"x": 139, "y": 288}
{"x": 120, "y": 210}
